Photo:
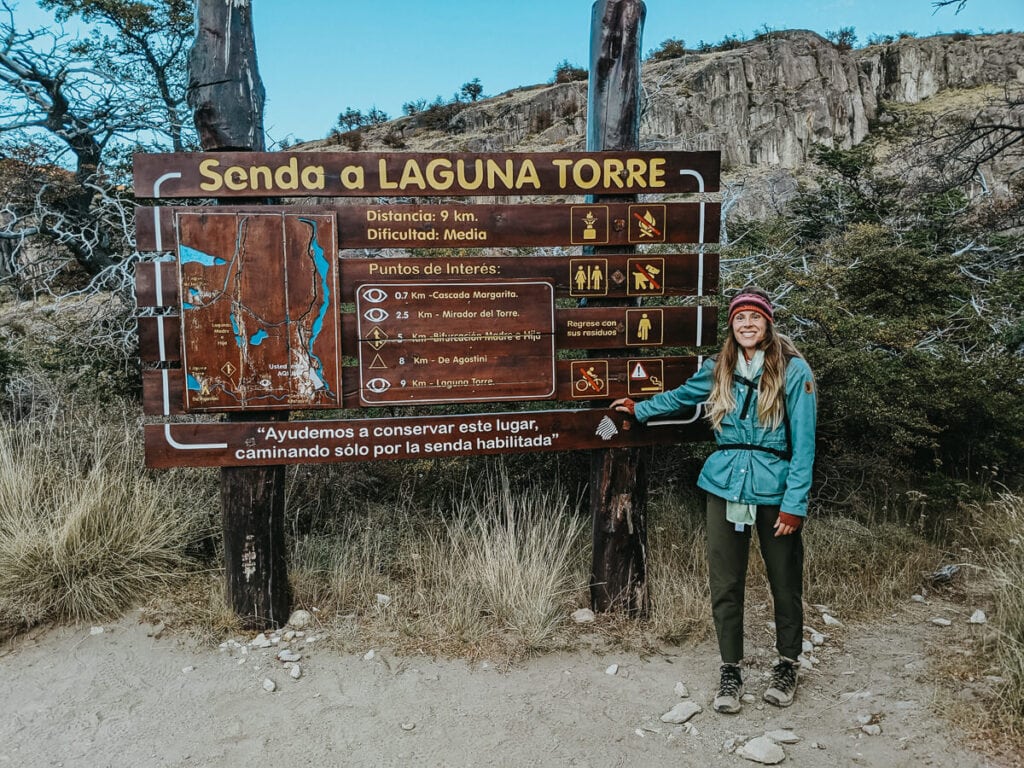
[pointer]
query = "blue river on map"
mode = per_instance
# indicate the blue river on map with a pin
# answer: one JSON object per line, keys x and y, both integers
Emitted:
{"x": 323, "y": 268}
{"x": 239, "y": 338}
{"x": 191, "y": 255}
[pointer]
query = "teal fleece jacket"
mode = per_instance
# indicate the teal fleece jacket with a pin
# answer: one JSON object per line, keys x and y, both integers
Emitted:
{"x": 745, "y": 475}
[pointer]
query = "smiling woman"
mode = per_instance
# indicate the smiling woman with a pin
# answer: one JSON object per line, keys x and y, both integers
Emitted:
{"x": 762, "y": 406}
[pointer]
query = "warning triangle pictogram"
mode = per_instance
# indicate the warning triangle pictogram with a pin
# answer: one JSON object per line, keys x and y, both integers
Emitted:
{"x": 638, "y": 372}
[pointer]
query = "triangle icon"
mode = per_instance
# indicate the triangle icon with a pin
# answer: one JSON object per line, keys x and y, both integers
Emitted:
{"x": 638, "y": 372}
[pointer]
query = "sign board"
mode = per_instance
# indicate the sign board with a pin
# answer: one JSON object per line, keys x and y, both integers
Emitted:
{"x": 604, "y": 276}
{"x": 405, "y": 174}
{"x": 470, "y": 341}
{"x": 241, "y": 444}
{"x": 578, "y": 379}
{"x": 286, "y": 308}
{"x": 485, "y": 226}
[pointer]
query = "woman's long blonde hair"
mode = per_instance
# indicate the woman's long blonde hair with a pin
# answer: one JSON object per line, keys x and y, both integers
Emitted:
{"x": 771, "y": 398}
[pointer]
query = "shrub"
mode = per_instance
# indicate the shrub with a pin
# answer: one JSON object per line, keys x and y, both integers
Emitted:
{"x": 472, "y": 90}
{"x": 906, "y": 310}
{"x": 728, "y": 43}
{"x": 394, "y": 140}
{"x": 84, "y": 533}
{"x": 673, "y": 48}
{"x": 439, "y": 115}
{"x": 413, "y": 107}
{"x": 351, "y": 139}
{"x": 541, "y": 121}
{"x": 569, "y": 73}
{"x": 844, "y": 38}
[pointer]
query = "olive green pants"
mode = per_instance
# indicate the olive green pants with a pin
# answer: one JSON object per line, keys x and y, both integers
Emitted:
{"x": 728, "y": 551}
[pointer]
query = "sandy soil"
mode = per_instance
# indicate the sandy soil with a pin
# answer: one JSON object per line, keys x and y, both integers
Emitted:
{"x": 76, "y": 697}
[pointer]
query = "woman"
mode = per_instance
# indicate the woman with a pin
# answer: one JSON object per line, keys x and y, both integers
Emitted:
{"x": 759, "y": 397}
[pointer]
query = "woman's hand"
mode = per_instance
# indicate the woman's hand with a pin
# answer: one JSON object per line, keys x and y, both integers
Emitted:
{"x": 623, "y": 405}
{"x": 787, "y": 524}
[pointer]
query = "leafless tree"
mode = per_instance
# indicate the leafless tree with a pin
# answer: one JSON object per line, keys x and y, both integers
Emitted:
{"x": 961, "y": 148}
{"x": 73, "y": 110}
{"x": 960, "y": 4}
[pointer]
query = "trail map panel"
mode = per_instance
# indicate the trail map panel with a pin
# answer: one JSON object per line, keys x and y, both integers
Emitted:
{"x": 259, "y": 316}
{"x": 467, "y": 342}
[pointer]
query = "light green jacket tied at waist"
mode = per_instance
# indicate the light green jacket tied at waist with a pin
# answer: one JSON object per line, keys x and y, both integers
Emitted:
{"x": 749, "y": 475}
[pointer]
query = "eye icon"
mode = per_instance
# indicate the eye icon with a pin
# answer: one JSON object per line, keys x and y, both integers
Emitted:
{"x": 376, "y": 314}
{"x": 376, "y": 295}
{"x": 378, "y": 386}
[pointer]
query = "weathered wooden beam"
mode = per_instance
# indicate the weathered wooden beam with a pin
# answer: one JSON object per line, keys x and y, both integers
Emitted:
{"x": 225, "y": 91}
{"x": 618, "y": 476}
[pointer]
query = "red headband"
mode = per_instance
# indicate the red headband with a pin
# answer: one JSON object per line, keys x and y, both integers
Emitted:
{"x": 750, "y": 301}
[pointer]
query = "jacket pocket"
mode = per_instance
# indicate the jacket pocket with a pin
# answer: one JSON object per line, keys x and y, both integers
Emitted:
{"x": 718, "y": 469}
{"x": 769, "y": 474}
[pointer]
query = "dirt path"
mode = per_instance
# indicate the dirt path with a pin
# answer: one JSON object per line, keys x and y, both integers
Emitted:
{"x": 123, "y": 698}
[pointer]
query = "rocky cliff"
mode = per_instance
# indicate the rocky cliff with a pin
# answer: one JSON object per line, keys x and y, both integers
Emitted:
{"x": 764, "y": 104}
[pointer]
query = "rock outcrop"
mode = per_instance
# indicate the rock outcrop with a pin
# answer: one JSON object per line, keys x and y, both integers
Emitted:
{"x": 764, "y": 103}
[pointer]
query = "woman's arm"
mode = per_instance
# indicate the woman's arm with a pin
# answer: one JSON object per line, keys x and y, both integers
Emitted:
{"x": 802, "y": 408}
{"x": 694, "y": 390}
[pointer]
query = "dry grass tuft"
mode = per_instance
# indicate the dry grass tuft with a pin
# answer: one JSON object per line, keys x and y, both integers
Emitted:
{"x": 863, "y": 571}
{"x": 999, "y": 531}
{"x": 493, "y": 567}
{"x": 678, "y": 571}
{"x": 83, "y": 531}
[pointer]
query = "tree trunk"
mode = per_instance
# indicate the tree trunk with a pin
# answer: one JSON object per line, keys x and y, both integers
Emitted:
{"x": 226, "y": 96}
{"x": 224, "y": 87}
{"x": 618, "y": 477}
{"x": 255, "y": 558}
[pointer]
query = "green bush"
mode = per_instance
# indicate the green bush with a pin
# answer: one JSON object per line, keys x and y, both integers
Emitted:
{"x": 908, "y": 310}
{"x": 673, "y": 48}
{"x": 570, "y": 73}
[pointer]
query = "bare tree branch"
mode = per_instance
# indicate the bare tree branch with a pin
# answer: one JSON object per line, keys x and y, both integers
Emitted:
{"x": 73, "y": 109}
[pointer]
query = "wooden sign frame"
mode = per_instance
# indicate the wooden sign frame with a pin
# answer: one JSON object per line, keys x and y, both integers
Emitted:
{"x": 383, "y": 339}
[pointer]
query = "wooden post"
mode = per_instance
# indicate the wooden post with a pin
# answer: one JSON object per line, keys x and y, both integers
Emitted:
{"x": 618, "y": 477}
{"x": 226, "y": 96}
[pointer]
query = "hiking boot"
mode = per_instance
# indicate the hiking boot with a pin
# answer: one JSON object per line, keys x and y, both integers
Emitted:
{"x": 783, "y": 685}
{"x": 730, "y": 689}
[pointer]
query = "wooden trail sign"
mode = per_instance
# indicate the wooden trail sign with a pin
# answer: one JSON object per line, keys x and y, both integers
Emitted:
{"x": 363, "y": 174}
{"x": 265, "y": 308}
{"x": 603, "y": 276}
{"x": 163, "y": 390}
{"x": 311, "y": 442}
{"x": 477, "y": 226}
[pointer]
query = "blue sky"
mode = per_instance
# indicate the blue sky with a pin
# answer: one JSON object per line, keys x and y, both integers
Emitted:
{"x": 317, "y": 57}
{"x": 339, "y": 53}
